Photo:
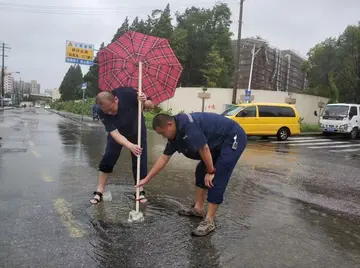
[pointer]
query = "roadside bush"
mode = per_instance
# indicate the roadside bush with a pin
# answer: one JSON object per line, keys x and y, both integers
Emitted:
{"x": 309, "y": 128}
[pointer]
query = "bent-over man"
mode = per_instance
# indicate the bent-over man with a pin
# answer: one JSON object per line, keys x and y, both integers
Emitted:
{"x": 217, "y": 142}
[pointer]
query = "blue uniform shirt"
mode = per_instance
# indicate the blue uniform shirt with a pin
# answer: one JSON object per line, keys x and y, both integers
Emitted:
{"x": 126, "y": 119}
{"x": 206, "y": 128}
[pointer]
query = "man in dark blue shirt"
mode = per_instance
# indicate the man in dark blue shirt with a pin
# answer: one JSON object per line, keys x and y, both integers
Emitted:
{"x": 118, "y": 110}
{"x": 217, "y": 142}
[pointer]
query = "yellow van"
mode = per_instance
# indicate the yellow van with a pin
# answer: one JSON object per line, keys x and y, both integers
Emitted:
{"x": 266, "y": 119}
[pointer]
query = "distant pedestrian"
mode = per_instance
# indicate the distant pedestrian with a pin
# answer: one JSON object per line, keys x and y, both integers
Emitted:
{"x": 118, "y": 110}
{"x": 217, "y": 142}
{"x": 95, "y": 115}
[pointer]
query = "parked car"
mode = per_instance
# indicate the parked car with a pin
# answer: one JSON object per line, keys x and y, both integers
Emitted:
{"x": 340, "y": 118}
{"x": 47, "y": 106}
{"x": 37, "y": 105}
{"x": 266, "y": 119}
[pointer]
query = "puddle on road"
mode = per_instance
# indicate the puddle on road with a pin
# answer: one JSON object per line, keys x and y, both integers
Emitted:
{"x": 118, "y": 243}
{"x": 264, "y": 221}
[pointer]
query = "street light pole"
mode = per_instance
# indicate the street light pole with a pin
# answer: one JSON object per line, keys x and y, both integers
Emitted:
{"x": 3, "y": 76}
{"x": 20, "y": 91}
{"x": 251, "y": 66}
{"x": 251, "y": 69}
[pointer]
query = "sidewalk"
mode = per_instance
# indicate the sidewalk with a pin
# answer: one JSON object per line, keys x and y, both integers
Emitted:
{"x": 87, "y": 120}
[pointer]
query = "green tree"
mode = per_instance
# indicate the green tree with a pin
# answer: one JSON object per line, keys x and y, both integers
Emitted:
{"x": 213, "y": 67}
{"x": 140, "y": 26}
{"x": 348, "y": 78}
{"x": 333, "y": 67}
{"x": 162, "y": 26}
{"x": 204, "y": 29}
{"x": 70, "y": 88}
{"x": 92, "y": 78}
{"x": 122, "y": 30}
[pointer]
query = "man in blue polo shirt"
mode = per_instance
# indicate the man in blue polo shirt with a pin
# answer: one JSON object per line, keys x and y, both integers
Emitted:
{"x": 118, "y": 110}
{"x": 217, "y": 142}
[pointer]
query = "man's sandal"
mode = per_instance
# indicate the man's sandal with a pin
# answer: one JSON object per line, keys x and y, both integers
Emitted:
{"x": 142, "y": 198}
{"x": 97, "y": 200}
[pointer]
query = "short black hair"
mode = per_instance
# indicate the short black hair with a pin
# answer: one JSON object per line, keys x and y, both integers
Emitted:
{"x": 160, "y": 120}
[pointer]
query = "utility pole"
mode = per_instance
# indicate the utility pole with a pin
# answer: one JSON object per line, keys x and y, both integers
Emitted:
{"x": 237, "y": 63}
{"x": 4, "y": 46}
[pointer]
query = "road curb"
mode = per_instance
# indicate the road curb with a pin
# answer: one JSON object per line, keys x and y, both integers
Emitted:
{"x": 6, "y": 108}
{"x": 71, "y": 118}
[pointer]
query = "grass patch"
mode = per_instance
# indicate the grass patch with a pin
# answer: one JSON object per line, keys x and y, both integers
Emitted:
{"x": 309, "y": 128}
{"x": 77, "y": 107}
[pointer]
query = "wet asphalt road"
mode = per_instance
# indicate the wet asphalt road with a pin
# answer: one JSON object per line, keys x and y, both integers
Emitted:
{"x": 286, "y": 206}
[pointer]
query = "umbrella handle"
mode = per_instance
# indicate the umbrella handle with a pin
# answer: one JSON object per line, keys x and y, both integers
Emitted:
{"x": 139, "y": 138}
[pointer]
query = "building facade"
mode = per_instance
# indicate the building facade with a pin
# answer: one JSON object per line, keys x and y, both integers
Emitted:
{"x": 27, "y": 87}
{"x": 55, "y": 94}
{"x": 35, "y": 87}
{"x": 273, "y": 69}
{"x": 8, "y": 82}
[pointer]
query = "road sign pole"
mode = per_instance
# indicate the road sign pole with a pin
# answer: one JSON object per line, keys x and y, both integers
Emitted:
{"x": 83, "y": 87}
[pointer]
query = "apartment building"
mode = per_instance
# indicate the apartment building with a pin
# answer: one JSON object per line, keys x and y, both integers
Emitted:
{"x": 273, "y": 69}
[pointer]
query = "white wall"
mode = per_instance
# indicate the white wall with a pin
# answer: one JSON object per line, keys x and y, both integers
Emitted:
{"x": 186, "y": 99}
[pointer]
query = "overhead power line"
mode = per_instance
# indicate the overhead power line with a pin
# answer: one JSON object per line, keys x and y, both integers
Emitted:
{"x": 79, "y": 10}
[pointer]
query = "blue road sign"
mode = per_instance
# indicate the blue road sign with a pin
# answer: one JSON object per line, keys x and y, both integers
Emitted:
{"x": 78, "y": 61}
{"x": 83, "y": 85}
{"x": 247, "y": 98}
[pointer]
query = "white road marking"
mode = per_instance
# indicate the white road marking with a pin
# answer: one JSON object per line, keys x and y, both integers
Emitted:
{"x": 36, "y": 154}
{"x": 320, "y": 143}
{"x": 335, "y": 146}
{"x": 301, "y": 138}
{"x": 300, "y": 141}
{"x": 345, "y": 150}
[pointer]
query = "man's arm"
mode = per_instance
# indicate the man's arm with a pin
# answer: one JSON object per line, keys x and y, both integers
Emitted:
{"x": 161, "y": 161}
{"x": 207, "y": 158}
{"x": 159, "y": 165}
{"x": 120, "y": 138}
{"x": 112, "y": 130}
{"x": 198, "y": 141}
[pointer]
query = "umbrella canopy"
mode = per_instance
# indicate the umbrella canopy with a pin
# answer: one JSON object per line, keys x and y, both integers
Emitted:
{"x": 119, "y": 65}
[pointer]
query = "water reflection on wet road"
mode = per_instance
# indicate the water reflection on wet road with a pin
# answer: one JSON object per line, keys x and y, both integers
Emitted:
{"x": 286, "y": 206}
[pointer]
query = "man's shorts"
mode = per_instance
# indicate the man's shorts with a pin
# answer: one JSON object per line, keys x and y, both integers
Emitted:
{"x": 225, "y": 160}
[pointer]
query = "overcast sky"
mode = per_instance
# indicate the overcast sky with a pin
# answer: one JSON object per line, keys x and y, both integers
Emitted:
{"x": 38, "y": 38}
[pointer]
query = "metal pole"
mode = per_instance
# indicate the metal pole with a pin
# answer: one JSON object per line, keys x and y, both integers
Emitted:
{"x": 237, "y": 63}
{"x": 251, "y": 66}
{"x": 83, "y": 104}
{"x": 2, "y": 76}
{"x": 203, "y": 105}
{"x": 20, "y": 91}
